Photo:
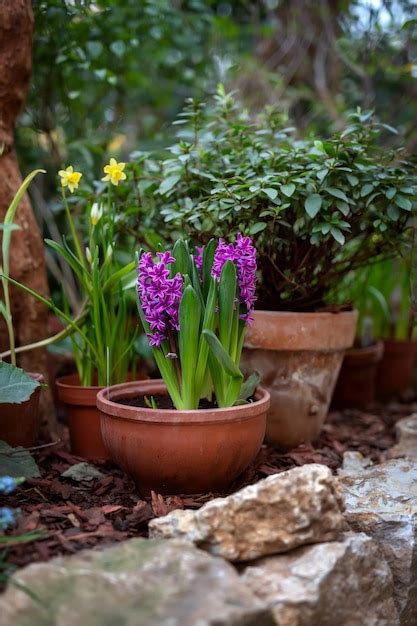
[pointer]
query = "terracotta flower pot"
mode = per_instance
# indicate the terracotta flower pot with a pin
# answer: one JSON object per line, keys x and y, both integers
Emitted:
{"x": 298, "y": 356}
{"x": 20, "y": 423}
{"x": 83, "y": 417}
{"x": 356, "y": 385}
{"x": 172, "y": 451}
{"x": 396, "y": 366}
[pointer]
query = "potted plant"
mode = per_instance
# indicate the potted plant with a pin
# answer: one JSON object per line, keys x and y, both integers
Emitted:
{"x": 102, "y": 336}
{"x": 200, "y": 427}
{"x": 318, "y": 209}
{"x": 19, "y": 391}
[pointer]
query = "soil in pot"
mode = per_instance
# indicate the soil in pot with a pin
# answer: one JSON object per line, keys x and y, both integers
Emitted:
{"x": 356, "y": 385}
{"x": 20, "y": 423}
{"x": 299, "y": 356}
{"x": 396, "y": 367}
{"x": 174, "y": 452}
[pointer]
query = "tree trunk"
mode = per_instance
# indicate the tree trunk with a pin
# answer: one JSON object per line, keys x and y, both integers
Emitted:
{"x": 27, "y": 260}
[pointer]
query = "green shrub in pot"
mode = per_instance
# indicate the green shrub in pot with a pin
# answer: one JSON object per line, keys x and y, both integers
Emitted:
{"x": 317, "y": 208}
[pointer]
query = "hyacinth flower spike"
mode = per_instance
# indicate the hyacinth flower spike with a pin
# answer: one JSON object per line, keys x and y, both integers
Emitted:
{"x": 195, "y": 315}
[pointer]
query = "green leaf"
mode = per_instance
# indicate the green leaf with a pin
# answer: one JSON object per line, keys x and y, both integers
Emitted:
{"x": 188, "y": 338}
{"x": 343, "y": 207}
{"x": 390, "y": 193}
{"x": 366, "y": 190}
{"x": 168, "y": 183}
{"x": 337, "y": 193}
{"x": 249, "y": 386}
{"x": 393, "y": 213}
{"x": 288, "y": 189}
{"x": 17, "y": 462}
{"x": 312, "y": 204}
{"x": 16, "y": 386}
{"x": 221, "y": 355}
{"x": 257, "y": 227}
{"x": 353, "y": 180}
{"x": 270, "y": 192}
{"x": 338, "y": 235}
{"x": 227, "y": 294}
{"x": 208, "y": 257}
{"x": 403, "y": 203}
{"x": 182, "y": 258}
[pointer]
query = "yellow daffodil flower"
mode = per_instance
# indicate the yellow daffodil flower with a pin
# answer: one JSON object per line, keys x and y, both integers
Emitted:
{"x": 114, "y": 172}
{"x": 69, "y": 178}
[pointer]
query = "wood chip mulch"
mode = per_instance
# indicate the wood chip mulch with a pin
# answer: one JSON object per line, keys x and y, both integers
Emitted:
{"x": 76, "y": 515}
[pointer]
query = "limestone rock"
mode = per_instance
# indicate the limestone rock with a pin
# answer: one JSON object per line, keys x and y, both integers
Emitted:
{"x": 345, "y": 582}
{"x": 406, "y": 430}
{"x": 135, "y": 583}
{"x": 275, "y": 515}
{"x": 382, "y": 502}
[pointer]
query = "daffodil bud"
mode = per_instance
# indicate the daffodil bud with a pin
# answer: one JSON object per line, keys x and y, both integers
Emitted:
{"x": 96, "y": 213}
{"x": 109, "y": 252}
{"x": 88, "y": 255}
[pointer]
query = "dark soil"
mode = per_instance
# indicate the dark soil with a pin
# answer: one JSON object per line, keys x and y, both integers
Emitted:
{"x": 162, "y": 402}
{"x": 77, "y": 515}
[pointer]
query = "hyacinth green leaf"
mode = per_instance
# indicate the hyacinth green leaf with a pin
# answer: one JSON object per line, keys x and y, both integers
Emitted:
{"x": 182, "y": 258}
{"x": 209, "y": 321}
{"x": 16, "y": 386}
{"x": 221, "y": 355}
{"x": 208, "y": 257}
{"x": 188, "y": 337}
{"x": 195, "y": 281}
{"x": 121, "y": 274}
{"x": 249, "y": 386}
{"x": 227, "y": 295}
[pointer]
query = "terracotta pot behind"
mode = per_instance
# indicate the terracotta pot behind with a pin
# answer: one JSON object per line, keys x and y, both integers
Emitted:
{"x": 20, "y": 423}
{"x": 298, "y": 356}
{"x": 174, "y": 452}
{"x": 83, "y": 417}
{"x": 356, "y": 385}
{"x": 396, "y": 367}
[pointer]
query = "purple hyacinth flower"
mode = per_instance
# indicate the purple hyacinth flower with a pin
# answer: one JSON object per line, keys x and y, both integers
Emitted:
{"x": 243, "y": 255}
{"x": 159, "y": 295}
{"x": 198, "y": 257}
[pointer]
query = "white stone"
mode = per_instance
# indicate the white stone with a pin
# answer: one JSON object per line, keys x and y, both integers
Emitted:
{"x": 340, "y": 583}
{"x": 275, "y": 515}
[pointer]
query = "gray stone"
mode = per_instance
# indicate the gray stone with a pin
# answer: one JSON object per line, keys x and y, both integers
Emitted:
{"x": 275, "y": 515}
{"x": 382, "y": 502}
{"x": 136, "y": 583}
{"x": 343, "y": 583}
{"x": 406, "y": 431}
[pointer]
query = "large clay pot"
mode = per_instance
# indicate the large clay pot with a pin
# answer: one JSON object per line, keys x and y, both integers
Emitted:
{"x": 356, "y": 385}
{"x": 396, "y": 367}
{"x": 83, "y": 417}
{"x": 298, "y": 356}
{"x": 172, "y": 452}
{"x": 20, "y": 423}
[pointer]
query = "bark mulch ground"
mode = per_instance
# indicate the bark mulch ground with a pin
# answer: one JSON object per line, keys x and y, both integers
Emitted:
{"x": 75, "y": 515}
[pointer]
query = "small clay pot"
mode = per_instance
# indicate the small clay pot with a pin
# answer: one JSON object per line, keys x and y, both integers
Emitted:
{"x": 20, "y": 423}
{"x": 180, "y": 452}
{"x": 298, "y": 356}
{"x": 356, "y": 385}
{"x": 83, "y": 417}
{"x": 396, "y": 367}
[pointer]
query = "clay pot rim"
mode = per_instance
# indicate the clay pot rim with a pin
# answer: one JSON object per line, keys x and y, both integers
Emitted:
{"x": 170, "y": 416}
{"x": 73, "y": 380}
{"x": 372, "y": 353}
{"x": 290, "y": 331}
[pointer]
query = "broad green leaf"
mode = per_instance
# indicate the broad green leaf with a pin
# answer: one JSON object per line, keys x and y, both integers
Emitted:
{"x": 17, "y": 462}
{"x": 288, "y": 189}
{"x": 353, "y": 180}
{"x": 337, "y": 193}
{"x": 257, "y": 227}
{"x": 16, "y": 386}
{"x": 338, "y": 235}
{"x": 312, "y": 204}
{"x": 403, "y": 202}
{"x": 390, "y": 192}
{"x": 270, "y": 192}
{"x": 182, "y": 259}
{"x": 168, "y": 183}
{"x": 227, "y": 295}
{"x": 208, "y": 256}
{"x": 366, "y": 190}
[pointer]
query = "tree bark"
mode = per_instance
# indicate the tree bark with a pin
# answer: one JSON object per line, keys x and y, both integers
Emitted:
{"x": 27, "y": 260}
